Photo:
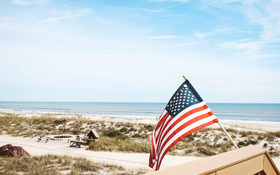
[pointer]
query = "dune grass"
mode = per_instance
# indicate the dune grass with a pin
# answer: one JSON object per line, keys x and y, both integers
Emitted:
{"x": 135, "y": 137}
{"x": 57, "y": 165}
{"x": 121, "y": 145}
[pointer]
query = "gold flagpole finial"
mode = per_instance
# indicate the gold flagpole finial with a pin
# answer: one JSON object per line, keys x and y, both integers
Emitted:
{"x": 185, "y": 77}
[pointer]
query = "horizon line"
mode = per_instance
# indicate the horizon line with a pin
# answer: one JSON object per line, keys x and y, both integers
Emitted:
{"x": 22, "y": 101}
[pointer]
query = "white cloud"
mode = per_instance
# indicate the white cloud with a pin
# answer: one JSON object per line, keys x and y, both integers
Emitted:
{"x": 183, "y": 1}
{"x": 258, "y": 13}
{"x": 147, "y": 10}
{"x": 203, "y": 35}
{"x": 165, "y": 37}
{"x": 263, "y": 13}
{"x": 188, "y": 43}
{"x": 249, "y": 47}
{"x": 67, "y": 15}
{"x": 28, "y": 2}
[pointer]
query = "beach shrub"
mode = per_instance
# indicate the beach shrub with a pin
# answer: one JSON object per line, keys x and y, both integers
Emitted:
{"x": 205, "y": 151}
{"x": 124, "y": 129}
{"x": 59, "y": 121}
{"x": 149, "y": 127}
{"x": 276, "y": 134}
{"x": 113, "y": 133}
{"x": 123, "y": 145}
{"x": 252, "y": 142}
{"x": 270, "y": 137}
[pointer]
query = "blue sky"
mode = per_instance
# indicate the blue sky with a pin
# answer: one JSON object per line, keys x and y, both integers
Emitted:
{"x": 137, "y": 51}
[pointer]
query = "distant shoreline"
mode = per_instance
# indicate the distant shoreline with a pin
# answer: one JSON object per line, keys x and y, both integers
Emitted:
{"x": 248, "y": 112}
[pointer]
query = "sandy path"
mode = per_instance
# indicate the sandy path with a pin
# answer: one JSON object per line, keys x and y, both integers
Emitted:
{"x": 127, "y": 160}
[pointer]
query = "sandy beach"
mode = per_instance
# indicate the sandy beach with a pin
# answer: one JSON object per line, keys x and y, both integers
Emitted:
{"x": 124, "y": 159}
{"x": 127, "y": 160}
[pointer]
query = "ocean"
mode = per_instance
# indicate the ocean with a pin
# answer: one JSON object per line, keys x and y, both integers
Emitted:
{"x": 224, "y": 111}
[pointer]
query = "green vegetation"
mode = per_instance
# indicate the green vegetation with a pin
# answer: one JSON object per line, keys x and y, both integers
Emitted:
{"x": 115, "y": 134}
{"x": 49, "y": 124}
{"x": 135, "y": 137}
{"x": 57, "y": 165}
{"x": 122, "y": 145}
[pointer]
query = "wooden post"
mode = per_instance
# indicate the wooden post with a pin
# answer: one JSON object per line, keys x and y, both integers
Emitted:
{"x": 220, "y": 125}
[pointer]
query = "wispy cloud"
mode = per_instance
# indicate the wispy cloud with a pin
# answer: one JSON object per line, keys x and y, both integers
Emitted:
{"x": 193, "y": 43}
{"x": 165, "y": 37}
{"x": 251, "y": 47}
{"x": 68, "y": 15}
{"x": 203, "y": 35}
{"x": 183, "y": 1}
{"x": 147, "y": 10}
{"x": 260, "y": 13}
{"x": 28, "y": 2}
{"x": 265, "y": 14}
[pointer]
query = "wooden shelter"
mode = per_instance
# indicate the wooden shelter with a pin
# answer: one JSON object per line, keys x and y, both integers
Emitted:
{"x": 250, "y": 160}
{"x": 93, "y": 134}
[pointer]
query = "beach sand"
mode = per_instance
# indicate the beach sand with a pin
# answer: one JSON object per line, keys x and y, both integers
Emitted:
{"x": 61, "y": 147}
{"x": 127, "y": 160}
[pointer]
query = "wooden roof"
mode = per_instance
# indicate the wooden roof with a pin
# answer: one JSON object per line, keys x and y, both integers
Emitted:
{"x": 94, "y": 133}
{"x": 249, "y": 160}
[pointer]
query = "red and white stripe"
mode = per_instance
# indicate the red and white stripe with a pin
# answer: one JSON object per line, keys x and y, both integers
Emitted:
{"x": 171, "y": 130}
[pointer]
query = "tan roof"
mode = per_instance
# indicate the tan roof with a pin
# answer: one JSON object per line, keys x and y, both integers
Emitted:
{"x": 95, "y": 133}
{"x": 249, "y": 160}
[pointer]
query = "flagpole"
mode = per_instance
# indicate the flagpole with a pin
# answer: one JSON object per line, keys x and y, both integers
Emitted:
{"x": 227, "y": 135}
{"x": 185, "y": 78}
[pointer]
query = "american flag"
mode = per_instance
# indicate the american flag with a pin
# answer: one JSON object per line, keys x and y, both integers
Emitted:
{"x": 184, "y": 114}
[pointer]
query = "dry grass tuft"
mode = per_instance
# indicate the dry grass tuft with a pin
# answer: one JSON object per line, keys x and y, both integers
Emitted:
{"x": 122, "y": 145}
{"x": 57, "y": 165}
